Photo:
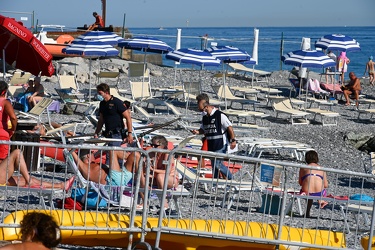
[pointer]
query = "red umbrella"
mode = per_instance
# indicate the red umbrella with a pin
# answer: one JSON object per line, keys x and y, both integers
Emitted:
{"x": 21, "y": 49}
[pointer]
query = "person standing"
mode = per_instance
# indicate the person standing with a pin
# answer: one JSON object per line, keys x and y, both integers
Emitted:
{"x": 371, "y": 70}
{"x": 342, "y": 65}
{"x": 8, "y": 122}
{"x": 331, "y": 69}
{"x": 353, "y": 87}
{"x": 219, "y": 134}
{"x": 111, "y": 114}
{"x": 99, "y": 23}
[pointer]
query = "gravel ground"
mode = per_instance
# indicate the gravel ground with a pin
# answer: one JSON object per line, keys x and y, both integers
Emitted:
{"x": 327, "y": 140}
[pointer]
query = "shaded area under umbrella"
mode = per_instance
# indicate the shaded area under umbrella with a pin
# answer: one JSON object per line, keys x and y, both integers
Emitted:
{"x": 22, "y": 50}
{"x": 308, "y": 59}
{"x": 146, "y": 45}
{"x": 90, "y": 49}
{"x": 193, "y": 57}
{"x": 228, "y": 54}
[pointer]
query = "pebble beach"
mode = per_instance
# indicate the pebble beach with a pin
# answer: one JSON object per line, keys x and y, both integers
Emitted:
{"x": 334, "y": 151}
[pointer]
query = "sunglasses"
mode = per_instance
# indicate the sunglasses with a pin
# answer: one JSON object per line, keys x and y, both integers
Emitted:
{"x": 154, "y": 145}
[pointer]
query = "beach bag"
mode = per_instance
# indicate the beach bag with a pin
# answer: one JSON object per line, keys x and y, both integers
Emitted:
{"x": 90, "y": 200}
{"x": 361, "y": 197}
{"x": 69, "y": 204}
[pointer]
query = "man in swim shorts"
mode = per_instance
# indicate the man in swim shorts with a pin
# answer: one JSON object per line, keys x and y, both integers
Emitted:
{"x": 371, "y": 70}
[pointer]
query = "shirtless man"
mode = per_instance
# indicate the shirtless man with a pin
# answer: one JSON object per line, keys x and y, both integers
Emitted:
{"x": 354, "y": 87}
{"x": 371, "y": 70}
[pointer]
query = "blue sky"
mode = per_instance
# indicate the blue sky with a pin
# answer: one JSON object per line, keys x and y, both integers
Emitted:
{"x": 199, "y": 13}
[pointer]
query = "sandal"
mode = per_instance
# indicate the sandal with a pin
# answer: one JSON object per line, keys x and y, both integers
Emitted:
{"x": 139, "y": 207}
{"x": 347, "y": 104}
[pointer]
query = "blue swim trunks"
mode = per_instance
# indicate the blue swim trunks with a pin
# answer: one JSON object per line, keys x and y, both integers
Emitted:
{"x": 119, "y": 178}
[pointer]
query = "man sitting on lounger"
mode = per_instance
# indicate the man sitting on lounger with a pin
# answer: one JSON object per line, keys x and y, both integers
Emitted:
{"x": 353, "y": 87}
{"x": 16, "y": 161}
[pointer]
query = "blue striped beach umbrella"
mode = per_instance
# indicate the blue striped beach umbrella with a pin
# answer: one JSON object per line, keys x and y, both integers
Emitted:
{"x": 228, "y": 54}
{"x": 338, "y": 42}
{"x": 308, "y": 59}
{"x": 194, "y": 57}
{"x": 145, "y": 44}
{"x": 90, "y": 49}
{"x": 109, "y": 38}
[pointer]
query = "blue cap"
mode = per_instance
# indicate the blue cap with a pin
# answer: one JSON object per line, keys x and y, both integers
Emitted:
{"x": 370, "y": 58}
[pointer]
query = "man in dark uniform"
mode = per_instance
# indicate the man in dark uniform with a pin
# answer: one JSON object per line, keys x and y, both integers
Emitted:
{"x": 112, "y": 111}
{"x": 218, "y": 132}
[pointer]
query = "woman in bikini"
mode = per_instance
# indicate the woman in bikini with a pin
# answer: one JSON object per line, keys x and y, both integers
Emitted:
{"x": 313, "y": 182}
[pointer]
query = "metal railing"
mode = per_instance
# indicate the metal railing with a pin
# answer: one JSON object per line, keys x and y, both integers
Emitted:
{"x": 260, "y": 205}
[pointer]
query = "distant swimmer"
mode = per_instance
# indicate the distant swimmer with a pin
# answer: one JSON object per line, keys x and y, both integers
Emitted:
{"x": 371, "y": 70}
{"x": 99, "y": 23}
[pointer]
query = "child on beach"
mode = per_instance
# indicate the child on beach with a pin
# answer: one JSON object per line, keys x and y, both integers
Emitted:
{"x": 342, "y": 65}
{"x": 313, "y": 182}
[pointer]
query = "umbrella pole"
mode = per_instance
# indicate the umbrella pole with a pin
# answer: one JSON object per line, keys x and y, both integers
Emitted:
{"x": 187, "y": 100}
{"x": 90, "y": 80}
{"x": 225, "y": 96}
{"x": 307, "y": 87}
{"x": 144, "y": 71}
{"x": 4, "y": 64}
{"x": 252, "y": 77}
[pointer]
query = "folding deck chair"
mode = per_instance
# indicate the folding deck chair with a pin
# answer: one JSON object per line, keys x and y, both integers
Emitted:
{"x": 258, "y": 74}
{"x": 224, "y": 93}
{"x": 19, "y": 78}
{"x": 285, "y": 107}
{"x": 38, "y": 110}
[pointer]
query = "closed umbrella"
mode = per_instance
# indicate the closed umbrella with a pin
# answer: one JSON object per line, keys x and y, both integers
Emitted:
{"x": 145, "y": 44}
{"x": 90, "y": 49}
{"x": 308, "y": 59}
{"x": 228, "y": 54}
{"x": 193, "y": 57}
{"x": 22, "y": 50}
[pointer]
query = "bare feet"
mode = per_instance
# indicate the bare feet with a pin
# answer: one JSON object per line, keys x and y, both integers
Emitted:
{"x": 323, "y": 204}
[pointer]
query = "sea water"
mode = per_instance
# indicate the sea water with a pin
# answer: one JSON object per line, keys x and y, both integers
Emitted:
{"x": 269, "y": 46}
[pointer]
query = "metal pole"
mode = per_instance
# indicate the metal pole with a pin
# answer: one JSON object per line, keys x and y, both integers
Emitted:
{"x": 35, "y": 28}
{"x": 4, "y": 64}
{"x": 281, "y": 50}
{"x": 123, "y": 34}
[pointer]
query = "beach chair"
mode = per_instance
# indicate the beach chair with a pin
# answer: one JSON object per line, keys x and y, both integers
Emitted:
{"x": 14, "y": 91}
{"x": 224, "y": 93}
{"x": 68, "y": 82}
{"x": 285, "y": 107}
{"x": 231, "y": 188}
{"x": 260, "y": 75}
{"x": 324, "y": 115}
{"x": 192, "y": 89}
{"x": 38, "y": 109}
{"x": 19, "y": 78}
{"x": 244, "y": 114}
{"x": 139, "y": 70}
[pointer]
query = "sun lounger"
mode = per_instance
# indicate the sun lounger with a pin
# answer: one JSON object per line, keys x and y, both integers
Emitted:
{"x": 285, "y": 107}
{"x": 257, "y": 73}
{"x": 324, "y": 115}
{"x": 38, "y": 109}
{"x": 244, "y": 114}
{"x": 225, "y": 94}
{"x": 19, "y": 78}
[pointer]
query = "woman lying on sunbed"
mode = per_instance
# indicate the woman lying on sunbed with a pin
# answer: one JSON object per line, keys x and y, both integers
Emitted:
{"x": 313, "y": 182}
{"x": 16, "y": 161}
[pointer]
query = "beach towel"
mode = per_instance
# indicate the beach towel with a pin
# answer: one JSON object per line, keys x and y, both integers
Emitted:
{"x": 343, "y": 61}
